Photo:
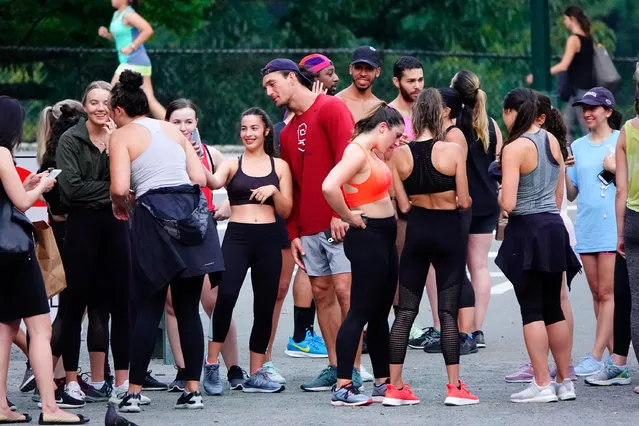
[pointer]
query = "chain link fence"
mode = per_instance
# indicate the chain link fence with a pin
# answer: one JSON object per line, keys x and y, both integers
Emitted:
{"x": 226, "y": 82}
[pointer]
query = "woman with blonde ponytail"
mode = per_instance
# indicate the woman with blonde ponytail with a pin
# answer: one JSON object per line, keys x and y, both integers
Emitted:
{"x": 484, "y": 141}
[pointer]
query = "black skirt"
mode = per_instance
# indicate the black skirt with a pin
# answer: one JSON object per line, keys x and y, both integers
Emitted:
{"x": 536, "y": 242}
{"x": 22, "y": 290}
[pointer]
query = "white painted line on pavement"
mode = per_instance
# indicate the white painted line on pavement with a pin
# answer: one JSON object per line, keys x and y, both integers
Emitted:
{"x": 502, "y": 288}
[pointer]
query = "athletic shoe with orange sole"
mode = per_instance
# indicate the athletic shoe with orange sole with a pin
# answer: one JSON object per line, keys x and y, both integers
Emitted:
{"x": 397, "y": 397}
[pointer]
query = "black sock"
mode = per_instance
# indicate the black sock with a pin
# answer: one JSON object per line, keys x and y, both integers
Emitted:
{"x": 303, "y": 320}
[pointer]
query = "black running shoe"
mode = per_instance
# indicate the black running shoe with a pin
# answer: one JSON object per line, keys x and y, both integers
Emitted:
{"x": 189, "y": 401}
{"x": 63, "y": 399}
{"x": 179, "y": 384}
{"x": 236, "y": 377}
{"x": 152, "y": 384}
{"x": 28, "y": 382}
{"x": 130, "y": 403}
{"x": 467, "y": 344}
{"x": 479, "y": 338}
{"x": 419, "y": 342}
{"x": 98, "y": 395}
{"x": 433, "y": 345}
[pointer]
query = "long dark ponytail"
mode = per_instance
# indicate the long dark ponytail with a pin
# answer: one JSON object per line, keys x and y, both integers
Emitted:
{"x": 579, "y": 14}
{"x": 525, "y": 102}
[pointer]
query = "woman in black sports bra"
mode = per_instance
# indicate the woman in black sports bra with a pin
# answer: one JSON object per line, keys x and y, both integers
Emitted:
{"x": 430, "y": 182}
{"x": 258, "y": 186}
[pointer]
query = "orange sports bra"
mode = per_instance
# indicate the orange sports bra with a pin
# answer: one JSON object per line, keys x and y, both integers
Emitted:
{"x": 372, "y": 189}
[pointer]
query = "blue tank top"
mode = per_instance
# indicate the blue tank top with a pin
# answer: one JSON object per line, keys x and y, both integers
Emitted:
{"x": 241, "y": 185}
{"x": 124, "y": 36}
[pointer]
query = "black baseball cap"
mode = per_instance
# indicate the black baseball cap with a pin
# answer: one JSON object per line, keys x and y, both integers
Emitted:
{"x": 597, "y": 96}
{"x": 280, "y": 64}
{"x": 367, "y": 55}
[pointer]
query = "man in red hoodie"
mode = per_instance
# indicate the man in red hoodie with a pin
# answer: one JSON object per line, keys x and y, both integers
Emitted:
{"x": 312, "y": 143}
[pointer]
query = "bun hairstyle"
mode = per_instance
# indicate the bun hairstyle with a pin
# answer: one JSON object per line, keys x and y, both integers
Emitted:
{"x": 11, "y": 120}
{"x": 473, "y": 118}
{"x": 180, "y": 103}
{"x": 580, "y": 16}
{"x": 382, "y": 113}
{"x": 269, "y": 145}
{"x": 554, "y": 123}
{"x": 525, "y": 102}
{"x": 128, "y": 94}
{"x": 49, "y": 116}
{"x": 428, "y": 113}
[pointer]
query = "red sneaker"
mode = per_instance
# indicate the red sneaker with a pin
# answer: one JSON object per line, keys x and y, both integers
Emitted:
{"x": 395, "y": 397}
{"x": 461, "y": 396}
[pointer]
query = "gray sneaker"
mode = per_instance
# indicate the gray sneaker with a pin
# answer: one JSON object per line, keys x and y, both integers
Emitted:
{"x": 610, "y": 375}
{"x": 324, "y": 382}
{"x": 98, "y": 395}
{"x": 565, "y": 390}
{"x": 28, "y": 381}
{"x": 534, "y": 393}
{"x": 379, "y": 392}
{"x": 260, "y": 382}
{"x": 349, "y": 396}
{"x": 212, "y": 383}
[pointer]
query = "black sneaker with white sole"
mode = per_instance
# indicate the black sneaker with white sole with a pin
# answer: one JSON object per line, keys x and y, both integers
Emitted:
{"x": 479, "y": 338}
{"x": 236, "y": 377}
{"x": 152, "y": 384}
{"x": 63, "y": 399}
{"x": 130, "y": 403}
{"x": 189, "y": 401}
{"x": 11, "y": 405}
{"x": 179, "y": 384}
{"x": 28, "y": 381}
{"x": 98, "y": 395}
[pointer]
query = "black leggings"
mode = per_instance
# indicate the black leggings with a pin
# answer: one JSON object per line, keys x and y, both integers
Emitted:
{"x": 623, "y": 307}
{"x": 373, "y": 256}
{"x": 432, "y": 237}
{"x": 97, "y": 263}
{"x": 148, "y": 313}
{"x": 539, "y": 297}
{"x": 258, "y": 247}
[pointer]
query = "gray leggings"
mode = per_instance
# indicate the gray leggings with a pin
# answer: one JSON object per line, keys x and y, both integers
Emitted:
{"x": 631, "y": 240}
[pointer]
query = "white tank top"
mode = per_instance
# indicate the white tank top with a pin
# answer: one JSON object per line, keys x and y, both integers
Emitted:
{"x": 161, "y": 165}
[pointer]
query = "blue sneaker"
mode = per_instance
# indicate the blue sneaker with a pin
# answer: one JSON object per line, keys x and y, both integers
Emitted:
{"x": 379, "y": 392}
{"x": 312, "y": 346}
{"x": 610, "y": 375}
{"x": 324, "y": 382}
{"x": 349, "y": 396}
{"x": 357, "y": 378}
{"x": 260, "y": 382}
{"x": 589, "y": 366}
{"x": 212, "y": 383}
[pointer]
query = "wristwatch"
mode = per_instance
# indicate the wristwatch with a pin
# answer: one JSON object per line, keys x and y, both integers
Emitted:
{"x": 133, "y": 47}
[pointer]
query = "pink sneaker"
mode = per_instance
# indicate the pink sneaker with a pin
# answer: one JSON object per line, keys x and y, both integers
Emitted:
{"x": 523, "y": 375}
{"x": 571, "y": 372}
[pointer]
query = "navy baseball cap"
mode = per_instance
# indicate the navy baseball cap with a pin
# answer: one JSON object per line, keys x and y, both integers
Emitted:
{"x": 280, "y": 64}
{"x": 367, "y": 55}
{"x": 597, "y": 96}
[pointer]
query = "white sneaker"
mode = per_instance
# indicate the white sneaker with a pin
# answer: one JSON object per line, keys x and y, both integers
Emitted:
{"x": 366, "y": 376}
{"x": 273, "y": 373}
{"x": 119, "y": 392}
{"x": 565, "y": 390}
{"x": 534, "y": 393}
{"x": 73, "y": 390}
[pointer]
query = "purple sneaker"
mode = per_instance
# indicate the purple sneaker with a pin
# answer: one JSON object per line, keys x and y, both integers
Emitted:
{"x": 523, "y": 375}
{"x": 571, "y": 371}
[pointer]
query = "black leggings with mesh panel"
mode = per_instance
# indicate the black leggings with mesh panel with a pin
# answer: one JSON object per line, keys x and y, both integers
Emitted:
{"x": 432, "y": 237}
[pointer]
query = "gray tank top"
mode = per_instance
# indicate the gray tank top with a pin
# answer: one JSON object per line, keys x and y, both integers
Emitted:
{"x": 536, "y": 192}
{"x": 161, "y": 165}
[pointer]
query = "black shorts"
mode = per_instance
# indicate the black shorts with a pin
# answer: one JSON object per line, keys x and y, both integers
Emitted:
{"x": 484, "y": 224}
{"x": 22, "y": 291}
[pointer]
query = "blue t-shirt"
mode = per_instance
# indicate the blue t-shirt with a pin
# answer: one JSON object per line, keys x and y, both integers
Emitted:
{"x": 596, "y": 223}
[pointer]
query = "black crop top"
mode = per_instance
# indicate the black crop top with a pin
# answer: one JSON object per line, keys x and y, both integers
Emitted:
{"x": 425, "y": 179}
{"x": 241, "y": 186}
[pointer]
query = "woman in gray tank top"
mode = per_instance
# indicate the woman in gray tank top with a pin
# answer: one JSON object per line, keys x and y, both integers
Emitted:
{"x": 174, "y": 239}
{"x": 536, "y": 248}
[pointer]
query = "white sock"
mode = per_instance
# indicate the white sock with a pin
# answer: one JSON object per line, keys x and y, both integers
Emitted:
{"x": 97, "y": 385}
{"x": 621, "y": 367}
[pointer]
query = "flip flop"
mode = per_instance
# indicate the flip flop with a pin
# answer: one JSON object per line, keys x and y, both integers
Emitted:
{"x": 8, "y": 421}
{"x": 53, "y": 420}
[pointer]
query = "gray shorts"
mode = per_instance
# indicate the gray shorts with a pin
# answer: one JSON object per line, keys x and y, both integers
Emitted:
{"x": 323, "y": 258}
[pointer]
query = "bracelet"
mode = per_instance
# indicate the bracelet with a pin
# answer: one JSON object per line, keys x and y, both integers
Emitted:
{"x": 133, "y": 47}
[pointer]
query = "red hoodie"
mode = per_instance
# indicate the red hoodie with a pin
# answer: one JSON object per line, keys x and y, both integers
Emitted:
{"x": 312, "y": 144}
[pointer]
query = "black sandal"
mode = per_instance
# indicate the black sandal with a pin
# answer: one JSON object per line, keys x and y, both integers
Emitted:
{"x": 61, "y": 421}
{"x": 8, "y": 421}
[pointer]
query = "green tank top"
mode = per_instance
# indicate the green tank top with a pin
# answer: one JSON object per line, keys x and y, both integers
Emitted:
{"x": 124, "y": 35}
{"x": 632, "y": 153}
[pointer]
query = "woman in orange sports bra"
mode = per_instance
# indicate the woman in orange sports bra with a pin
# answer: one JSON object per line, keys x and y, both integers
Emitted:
{"x": 357, "y": 190}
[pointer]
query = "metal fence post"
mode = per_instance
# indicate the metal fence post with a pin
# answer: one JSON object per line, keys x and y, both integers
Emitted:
{"x": 540, "y": 44}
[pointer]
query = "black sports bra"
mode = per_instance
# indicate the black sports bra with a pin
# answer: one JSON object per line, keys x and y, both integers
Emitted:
{"x": 425, "y": 178}
{"x": 241, "y": 185}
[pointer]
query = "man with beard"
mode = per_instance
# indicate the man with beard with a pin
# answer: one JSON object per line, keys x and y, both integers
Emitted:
{"x": 408, "y": 77}
{"x": 323, "y": 71}
{"x": 364, "y": 69}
